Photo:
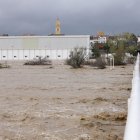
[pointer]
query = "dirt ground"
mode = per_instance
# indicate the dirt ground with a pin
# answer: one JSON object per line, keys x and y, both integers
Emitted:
{"x": 60, "y": 103}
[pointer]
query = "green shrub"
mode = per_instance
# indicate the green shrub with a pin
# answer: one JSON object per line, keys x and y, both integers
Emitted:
{"x": 4, "y": 65}
{"x": 131, "y": 60}
{"x": 77, "y": 58}
{"x": 39, "y": 61}
{"x": 100, "y": 63}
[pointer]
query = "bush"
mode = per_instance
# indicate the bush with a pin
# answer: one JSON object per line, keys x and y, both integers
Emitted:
{"x": 100, "y": 63}
{"x": 77, "y": 58}
{"x": 39, "y": 61}
{"x": 4, "y": 66}
{"x": 131, "y": 60}
{"x": 89, "y": 62}
{"x": 118, "y": 60}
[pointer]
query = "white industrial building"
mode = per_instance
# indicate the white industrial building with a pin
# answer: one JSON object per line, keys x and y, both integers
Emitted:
{"x": 29, "y": 47}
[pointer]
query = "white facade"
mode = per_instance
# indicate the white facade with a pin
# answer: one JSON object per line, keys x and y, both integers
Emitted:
{"x": 99, "y": 39}
{"x": 102, "y": 39}
{"x": 138, "y": 39}
{"x": 29, "y": 47}
{"x": 30, "y": 54}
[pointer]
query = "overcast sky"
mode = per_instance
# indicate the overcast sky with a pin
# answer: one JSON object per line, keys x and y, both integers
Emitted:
{"x": 18, "y": 17}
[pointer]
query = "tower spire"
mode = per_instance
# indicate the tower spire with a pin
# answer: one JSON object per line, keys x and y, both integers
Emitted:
{"x": 57, "y": 27}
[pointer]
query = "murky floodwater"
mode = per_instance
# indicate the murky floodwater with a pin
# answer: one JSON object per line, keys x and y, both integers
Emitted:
{"x": 43, "y": 102}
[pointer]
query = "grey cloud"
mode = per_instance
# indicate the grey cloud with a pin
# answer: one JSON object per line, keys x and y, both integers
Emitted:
{"x": 77, "y": 16}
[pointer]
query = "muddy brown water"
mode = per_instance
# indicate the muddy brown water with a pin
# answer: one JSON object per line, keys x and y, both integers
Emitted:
{"x": 60, "y": 103}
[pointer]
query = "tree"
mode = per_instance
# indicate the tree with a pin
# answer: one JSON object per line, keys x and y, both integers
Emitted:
{"x": 106, "y": 48}
{"x": 132, "y": 50}
{"x": 95, "y": 50}
{"x": 119, "y": 55}
{"x": 131, "y": 38}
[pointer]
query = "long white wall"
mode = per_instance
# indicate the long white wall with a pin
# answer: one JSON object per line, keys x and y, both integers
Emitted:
{"x": 30, "y": 54}
{"x": 29, "y": 47}
{"x": 44, "y": 42}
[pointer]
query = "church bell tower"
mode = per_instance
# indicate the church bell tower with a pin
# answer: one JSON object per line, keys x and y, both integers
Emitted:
{"x": 57, "y": 27}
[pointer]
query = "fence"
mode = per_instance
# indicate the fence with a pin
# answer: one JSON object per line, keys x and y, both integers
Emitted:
{"x": 132, "y": 130}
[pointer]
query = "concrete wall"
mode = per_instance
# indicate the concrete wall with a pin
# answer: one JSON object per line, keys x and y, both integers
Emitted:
{"x": 29, "y": 47}
{"x": 30, "y": 54}
{"x": 44, "y": 42}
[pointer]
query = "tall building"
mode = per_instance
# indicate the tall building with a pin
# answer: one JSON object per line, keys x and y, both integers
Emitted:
{"x": 57, "y": 27}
